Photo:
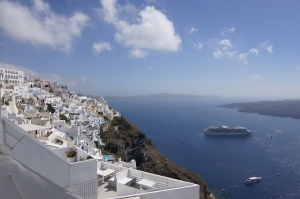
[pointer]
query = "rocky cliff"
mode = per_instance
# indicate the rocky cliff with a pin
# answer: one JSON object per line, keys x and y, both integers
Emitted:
{"x": 122, "y": 134}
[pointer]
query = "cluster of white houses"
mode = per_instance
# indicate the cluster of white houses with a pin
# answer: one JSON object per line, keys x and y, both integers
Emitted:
{"x": 40, "y": 122}
{"x": 11, "y": 76}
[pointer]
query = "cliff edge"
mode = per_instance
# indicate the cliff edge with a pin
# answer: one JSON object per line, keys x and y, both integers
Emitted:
{"x": 122, "y": 135}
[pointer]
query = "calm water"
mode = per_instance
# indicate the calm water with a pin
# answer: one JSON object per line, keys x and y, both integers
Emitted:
{"x": 223, "y": 162}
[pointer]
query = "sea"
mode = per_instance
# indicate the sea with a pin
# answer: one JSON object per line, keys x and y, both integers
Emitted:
{"x": 224, "y": 162}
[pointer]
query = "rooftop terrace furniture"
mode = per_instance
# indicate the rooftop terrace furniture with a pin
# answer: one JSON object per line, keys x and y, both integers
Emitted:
{"x": 147, "y": 183}
{"x": 125, "y": 181}
{"x": 105, "y": 173}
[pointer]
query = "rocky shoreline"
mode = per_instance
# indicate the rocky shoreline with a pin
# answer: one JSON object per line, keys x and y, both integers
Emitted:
{"x": 122, "y": 135}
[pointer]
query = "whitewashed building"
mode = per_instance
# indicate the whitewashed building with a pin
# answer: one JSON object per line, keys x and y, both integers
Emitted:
{"x": 11, "y": 76}
{"x": 49, "y": 100}
{"x": 89, "y": 179}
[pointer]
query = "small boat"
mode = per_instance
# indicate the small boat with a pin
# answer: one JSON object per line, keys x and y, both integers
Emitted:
{"x": 252, "y": 180}
{"x": 278, "y": 130}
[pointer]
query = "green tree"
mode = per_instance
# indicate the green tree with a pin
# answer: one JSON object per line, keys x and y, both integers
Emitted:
{"x": 50, "y": 108}
{"x": 63, "y": 117}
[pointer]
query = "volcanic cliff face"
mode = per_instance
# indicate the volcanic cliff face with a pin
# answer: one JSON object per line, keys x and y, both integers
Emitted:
{"x": 122, "y": 134}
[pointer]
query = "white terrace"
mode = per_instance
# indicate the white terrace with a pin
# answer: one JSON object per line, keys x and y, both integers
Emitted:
{"x": 88, "y": 179}
{"x": 120, "y": 182}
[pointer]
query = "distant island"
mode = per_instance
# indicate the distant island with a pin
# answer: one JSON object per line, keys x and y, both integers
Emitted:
{"x": 280, "y": 108}
{"x": 166, "y": 96}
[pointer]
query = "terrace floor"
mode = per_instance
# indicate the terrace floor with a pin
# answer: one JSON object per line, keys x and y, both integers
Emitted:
{"x": 105, "y": 191}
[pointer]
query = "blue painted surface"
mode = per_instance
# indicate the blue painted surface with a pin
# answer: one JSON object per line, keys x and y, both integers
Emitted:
{"x": 107, "y": 157}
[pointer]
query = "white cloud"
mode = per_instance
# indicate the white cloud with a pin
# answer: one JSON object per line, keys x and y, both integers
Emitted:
{"x": 243, "y": 58}
{"x": 83, "y": 79}
{"x": 267, "y": 46}
{"x": 39, "y": 5}
{"x": 254, "y": 51}
{"x": 226, "y": 49}
{"x": 255, "y": 77}
{"x": 198, "y": 45}
{"x": 101, "y": 46}
{"x": 269, "y": 49}
{"x": 38, "y": 25}
{"x": 218, "y": 54}
{"x": 151, "y": 31}
{"x": 225, "y": 52}
{"x": 137, "y": 53}
{"x": 109, "y": 10}
{"x": 227, "y": 31}
{"x": 151, "y": 68}
{"x": 150, "y": 1}
{"x": 48, "y": 76}
{"x": 154, "y": 32}
{"x": 225, "y": 42}
{"x": 193, "y": 30}
{"x": 230, "y": 54}
{"x": 127, "y": 11}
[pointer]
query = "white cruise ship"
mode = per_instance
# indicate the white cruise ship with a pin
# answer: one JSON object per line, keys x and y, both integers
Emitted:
{"x": 225, "y": 130}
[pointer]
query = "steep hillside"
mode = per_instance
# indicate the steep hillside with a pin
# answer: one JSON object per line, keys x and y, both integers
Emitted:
{"x": 142, "y": 149}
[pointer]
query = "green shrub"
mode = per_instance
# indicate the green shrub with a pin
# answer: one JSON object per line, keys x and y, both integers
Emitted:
{"x": 63, "y": 117}
{"x": 89, "y": 157}
{"x": 71, "y": 153}
{"x": 50, "y": 108}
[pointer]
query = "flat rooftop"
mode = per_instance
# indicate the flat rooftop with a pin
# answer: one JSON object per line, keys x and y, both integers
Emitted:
{"x": 105, "y": 191}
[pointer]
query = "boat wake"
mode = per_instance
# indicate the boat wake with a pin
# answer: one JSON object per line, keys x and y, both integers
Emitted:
{"x": 234, "y": 186}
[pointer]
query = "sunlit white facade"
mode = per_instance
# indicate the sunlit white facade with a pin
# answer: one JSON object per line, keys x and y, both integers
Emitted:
{"x": 11, "y": 76}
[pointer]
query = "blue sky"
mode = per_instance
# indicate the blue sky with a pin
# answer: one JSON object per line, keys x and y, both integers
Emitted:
{"x": 218, "y": 47}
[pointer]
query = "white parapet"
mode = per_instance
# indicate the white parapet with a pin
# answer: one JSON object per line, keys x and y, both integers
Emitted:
{"x": 50, "y": 163}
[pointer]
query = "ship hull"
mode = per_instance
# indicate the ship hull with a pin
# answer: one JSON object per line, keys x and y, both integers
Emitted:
{"x": 227, "y": 133}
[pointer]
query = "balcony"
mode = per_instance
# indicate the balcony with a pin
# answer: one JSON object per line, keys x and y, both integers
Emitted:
{"x": 133, "y": 183}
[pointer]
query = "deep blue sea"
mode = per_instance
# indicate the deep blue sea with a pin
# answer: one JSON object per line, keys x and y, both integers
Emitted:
{"x": 223, "y": 162}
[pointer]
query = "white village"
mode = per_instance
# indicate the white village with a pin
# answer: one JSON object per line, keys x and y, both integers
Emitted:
{"x": 50, "y": 147}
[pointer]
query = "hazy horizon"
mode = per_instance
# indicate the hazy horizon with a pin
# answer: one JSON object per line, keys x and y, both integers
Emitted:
{"x": 126, "y": 48}
{"x": 213, "y": 97}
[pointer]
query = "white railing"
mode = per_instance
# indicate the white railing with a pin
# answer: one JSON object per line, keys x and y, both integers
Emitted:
{"x": 190, "y": 192}
{"x": 105, "y": 165}
{"x": 160, "y": 181}
{"x": 49, "y": 163}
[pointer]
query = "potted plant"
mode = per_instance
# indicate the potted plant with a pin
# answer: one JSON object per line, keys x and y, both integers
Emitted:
{"x": 89, "y": 157}
{"x": 71, "y": 155}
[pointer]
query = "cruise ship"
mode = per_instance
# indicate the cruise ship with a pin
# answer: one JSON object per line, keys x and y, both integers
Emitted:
{"x": 225, "y": 130}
